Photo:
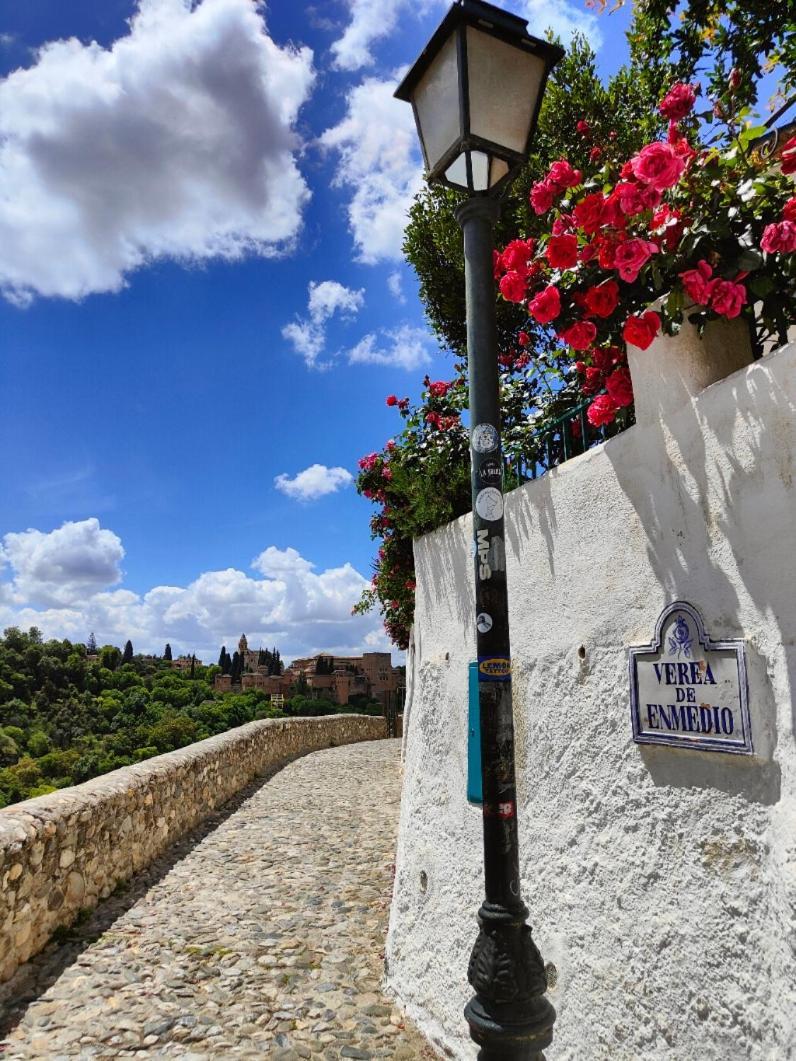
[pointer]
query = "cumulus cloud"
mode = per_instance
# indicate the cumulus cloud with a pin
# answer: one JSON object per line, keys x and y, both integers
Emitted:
{"x": 404, "y": 347}
{"x": 325, "y": 299}
{"x": 68, "y": 564}
{"x": 286, "y": 601}
{"x": 378, "y": 160}
{"x": 315, "y": 481}
{"x": 176, "y": 142}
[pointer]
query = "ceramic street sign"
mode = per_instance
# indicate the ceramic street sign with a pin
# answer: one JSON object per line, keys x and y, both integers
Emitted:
{"x": 687, "y": 691}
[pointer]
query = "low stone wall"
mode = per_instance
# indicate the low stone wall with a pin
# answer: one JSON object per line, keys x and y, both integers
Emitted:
{"x": 64, "y": 852}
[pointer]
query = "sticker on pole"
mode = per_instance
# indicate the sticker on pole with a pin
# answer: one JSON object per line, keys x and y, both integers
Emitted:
{"x": 494, "y": 669}
{"x": 485, "y": 438}
{"x": 489, "y": 503}
{"x": 484, "y": 622}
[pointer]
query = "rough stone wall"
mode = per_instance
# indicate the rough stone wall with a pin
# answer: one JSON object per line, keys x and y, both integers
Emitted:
{"x": 63, "y": 852}
{"x": 661, "y": 882}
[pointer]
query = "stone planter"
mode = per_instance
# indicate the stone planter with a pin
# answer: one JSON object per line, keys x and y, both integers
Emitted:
{"x": 675, "y": 368}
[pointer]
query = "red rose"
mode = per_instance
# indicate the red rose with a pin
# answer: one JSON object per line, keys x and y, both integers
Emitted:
{"x": 606, "y": 251}
{"x": 602, "y": 300}
{"x": 612, "y": 211}
{"x": 546, "y": 306}
{"x": 512, "y": 287}
{"x": 562, "y": 251}
{"x": 789, "y": 210}
{"x": 367, "y": 463}
{"x": 678, "y": 101}
{"x": 728, "y": 298}
{"x": 579, "y": 336}
{"x": 779, "y": 238}
{"x": 543, "y": 195}
{"x": 593, "y": 380}
{"x": 620, "y": 387}
{"x": 697, "y": 283}
{"x": 631, "y": 255}
{"x": 641, "y": 330}
{"x": 438, "y": 389}
{"x": 562, "y": 224}
{"x": 604, "y": 357}
{"x": 392, "y": 399}
{"x": 658, "y": 165}
{"x": 601, "y": 411}
{"x": 595, "y": 154}
{"x": 433, "y": 419}
{"x": 497, "y": 265}
{"x": 517, "y": 255}
{"x": 583, "y": 127}
{"x": 523, "y": 338}
{"x": 788, "y": 156}
{"x": 589, "y": 213}
{"x": 563, "y": 175}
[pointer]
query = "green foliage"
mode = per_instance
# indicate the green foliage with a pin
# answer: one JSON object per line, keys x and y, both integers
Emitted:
{"x": 79, "y": 718}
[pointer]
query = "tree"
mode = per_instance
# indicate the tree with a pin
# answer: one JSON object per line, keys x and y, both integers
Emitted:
{"x": 91, "y": 644}
{"x": 167, "y": 652}
{"x": 127, "y": 655}
{"x": 237, "y": 667}
{"x": 193, "y": 666}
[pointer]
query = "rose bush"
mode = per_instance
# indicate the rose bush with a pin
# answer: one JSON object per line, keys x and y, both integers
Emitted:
{"x": 703, "y": 230}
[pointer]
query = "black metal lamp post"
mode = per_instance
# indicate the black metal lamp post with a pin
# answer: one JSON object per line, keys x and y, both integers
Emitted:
{"x": 476, "y": 92}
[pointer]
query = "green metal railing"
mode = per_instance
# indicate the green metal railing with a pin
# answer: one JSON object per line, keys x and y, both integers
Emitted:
{"x": 567, "y": 436}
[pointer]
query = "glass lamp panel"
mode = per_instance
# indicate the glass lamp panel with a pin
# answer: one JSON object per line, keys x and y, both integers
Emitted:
{"x": 504, "y": 86}
{"x": 436, "y": 100}
{"x": 456, "y": 173}
{"x": 497, "y": 171}
{"x": 480, "y": 164}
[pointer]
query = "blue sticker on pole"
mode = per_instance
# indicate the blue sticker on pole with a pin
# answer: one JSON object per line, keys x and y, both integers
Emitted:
{"x": 494, "y": 669}
{"x": 475, "y": 791}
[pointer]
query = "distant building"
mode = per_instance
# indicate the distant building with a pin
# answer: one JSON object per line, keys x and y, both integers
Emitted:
{"x": 335, "y": 678}
{"x": 184, "y": 663}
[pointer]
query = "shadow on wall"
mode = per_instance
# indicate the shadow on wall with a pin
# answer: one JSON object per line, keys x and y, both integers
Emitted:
{"x": 733, "y": 485}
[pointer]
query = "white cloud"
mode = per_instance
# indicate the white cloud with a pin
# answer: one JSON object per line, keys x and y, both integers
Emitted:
{"x": 176, "y": 142}
{"x": 68, "y": 564}
{"x": 286, "y": 602}
{"x": 379, "y": 161}
{"x": 395, "y": 287}
{"x": 325, "y": 299}
{"x": 315, "y": 481}
{"x": 405, "y": 347}
{"x": 373, "y": 20}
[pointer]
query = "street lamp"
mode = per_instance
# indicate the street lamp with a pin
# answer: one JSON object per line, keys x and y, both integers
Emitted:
{"x": 476, "y": 91}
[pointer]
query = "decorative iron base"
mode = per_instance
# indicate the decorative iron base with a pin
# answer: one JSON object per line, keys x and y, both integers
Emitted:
{"x": 510, "y": 1018}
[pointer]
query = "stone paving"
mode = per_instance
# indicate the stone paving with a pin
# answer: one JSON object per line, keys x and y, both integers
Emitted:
{"x": 261, "y": 935}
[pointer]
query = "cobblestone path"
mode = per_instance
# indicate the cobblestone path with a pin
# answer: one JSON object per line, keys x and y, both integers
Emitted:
{"x": 261, "y": 935}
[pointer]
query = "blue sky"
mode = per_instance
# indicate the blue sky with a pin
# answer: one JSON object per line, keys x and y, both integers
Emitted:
{"x": 173, "y": 178}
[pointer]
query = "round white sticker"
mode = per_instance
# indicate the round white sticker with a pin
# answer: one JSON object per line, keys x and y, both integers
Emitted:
{"x": 483, "y": 622}
{"x": 489, "y": 503}
{"x": 485, "y": 438}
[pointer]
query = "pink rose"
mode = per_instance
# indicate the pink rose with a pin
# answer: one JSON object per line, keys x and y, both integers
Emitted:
{"x": 620, "y": 388}
{"x": 779, "y": 238}
{"x": 601, "y": 411}
{"x": 579, "y": 336}
{"x": 658, "y": 165}
{"x": 728, "y": 298}
{"x": 678, "y": 101}
{"x": 636, "y": 198}
{"x": 512, "y": 287}
{"x": 697, "y": 283}
{"x": 546, "y": 306}
{"x": 543, "y": 195}
{"x": 641, "y": 330}
{"x": 562, "y": 174}
{"x": 631, "y": 255}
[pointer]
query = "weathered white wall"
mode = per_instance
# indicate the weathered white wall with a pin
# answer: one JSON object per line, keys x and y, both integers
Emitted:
{"x": 661, "y": 882}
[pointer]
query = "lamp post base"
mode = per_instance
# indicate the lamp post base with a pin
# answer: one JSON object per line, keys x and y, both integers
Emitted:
{"x": 510, "y": 1018}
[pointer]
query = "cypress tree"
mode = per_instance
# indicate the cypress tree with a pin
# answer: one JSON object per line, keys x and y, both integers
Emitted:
{"x": 127, "y": 655}
{"x": 91, "y": 644}
{"x": 167, "y": 652}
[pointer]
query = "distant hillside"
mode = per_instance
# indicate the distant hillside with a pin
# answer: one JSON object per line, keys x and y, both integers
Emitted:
{"x": 67, "y": 715}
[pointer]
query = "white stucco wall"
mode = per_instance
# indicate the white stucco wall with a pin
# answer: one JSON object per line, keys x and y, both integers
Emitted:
{"x": 661, "y": 882}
